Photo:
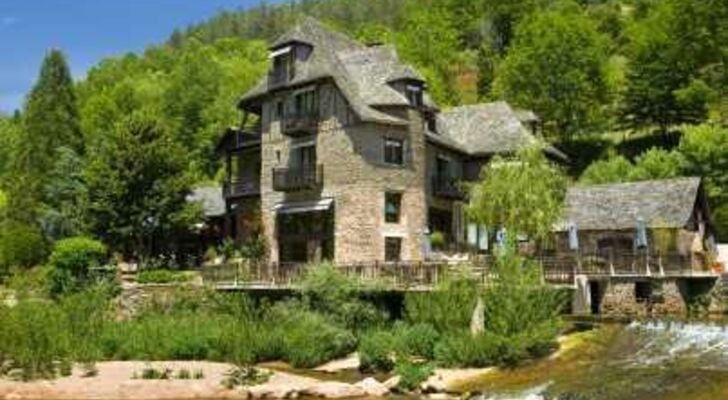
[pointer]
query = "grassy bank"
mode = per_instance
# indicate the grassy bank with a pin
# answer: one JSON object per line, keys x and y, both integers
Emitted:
{"x": 328, "y": 319}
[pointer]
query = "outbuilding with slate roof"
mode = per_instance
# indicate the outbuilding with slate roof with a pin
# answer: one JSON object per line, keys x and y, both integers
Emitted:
{"x": 608, "y": 217}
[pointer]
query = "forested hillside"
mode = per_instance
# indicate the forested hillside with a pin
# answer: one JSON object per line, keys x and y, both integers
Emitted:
{"x": 610, "y": 79}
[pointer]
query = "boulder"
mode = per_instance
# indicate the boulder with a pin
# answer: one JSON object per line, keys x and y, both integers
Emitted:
{"x": 281, "y": 385}
{"x": 349, "y": 363}
{"x": 334, "y": 390}
{"x": 392, "y": 382}
{"x": 373, "y": 387}
{"x": 440, "y": 396}
{"x": 448, "y": 380}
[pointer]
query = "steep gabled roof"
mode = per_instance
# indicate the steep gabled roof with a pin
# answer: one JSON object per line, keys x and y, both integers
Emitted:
{"x": 489, "y": 128}
{"x": 667, "y": 203}
{"x": 372, "y": 68}
{"x": 361, "y": 73}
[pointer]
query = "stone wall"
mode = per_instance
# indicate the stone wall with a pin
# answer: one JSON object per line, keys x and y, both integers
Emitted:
{"x": 355, "y": 176}
{"x": 134, "y": 297}
{"x": 670, "y": 297}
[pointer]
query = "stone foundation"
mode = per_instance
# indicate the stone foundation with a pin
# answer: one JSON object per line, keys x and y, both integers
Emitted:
{"x": 656, "y": 297}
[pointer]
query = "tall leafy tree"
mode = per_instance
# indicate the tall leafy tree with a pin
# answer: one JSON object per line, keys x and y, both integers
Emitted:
{"x": 50, "y": 120}
{"x": 556, "y": 67}
{"x": 137, "y": 184}
{"x": 530, "y": 196}
{"x": 705, "y": 149}
{"x": 505, "y": 16}
{"x": 51, "y": 117}
{"x": 667, "y": 53}
{"x": 430, "y": 41}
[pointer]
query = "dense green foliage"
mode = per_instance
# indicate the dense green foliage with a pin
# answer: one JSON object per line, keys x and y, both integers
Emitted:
{"x": 71, "y": 263}
{"x": 562, "y": 42}
{"x": 142, "y": 167}
{"x": 530, "y": 194}
{"x": 20, "y": 246}
{"x": 585, "y": 67}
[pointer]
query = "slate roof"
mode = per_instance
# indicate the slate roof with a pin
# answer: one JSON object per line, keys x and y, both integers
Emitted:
{"x": 364, "y": 74}
{"x": 667, "y": 203}
{"x": 489, "y": 128}
{"x": 360, "y": 72}
{"x": 211, "y": 200}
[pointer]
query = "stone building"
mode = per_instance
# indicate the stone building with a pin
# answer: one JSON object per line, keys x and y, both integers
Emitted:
{"x": 639, "y": 248}
{"x": 344, "y": 156}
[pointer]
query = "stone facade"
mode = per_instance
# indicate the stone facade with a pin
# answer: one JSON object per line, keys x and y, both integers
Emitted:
{"x": 356, "y": 177}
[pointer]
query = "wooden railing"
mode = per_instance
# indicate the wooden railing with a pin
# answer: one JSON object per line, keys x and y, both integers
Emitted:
{"x": 292, "y": 179}
{"x": 388, "y": 275}
{"x": 424, "y": 275}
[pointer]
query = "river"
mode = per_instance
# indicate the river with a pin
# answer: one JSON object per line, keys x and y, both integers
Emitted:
{"x": 640, "y": 360}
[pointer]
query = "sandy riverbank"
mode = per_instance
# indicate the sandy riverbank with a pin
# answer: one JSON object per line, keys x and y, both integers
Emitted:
{"x": 119, "y": 380}
{"x": 115, "y": 381}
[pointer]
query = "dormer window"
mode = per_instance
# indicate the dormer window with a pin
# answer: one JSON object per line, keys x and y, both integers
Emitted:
{"x": 283, "y": 65}
{"x": 414, "y": 95}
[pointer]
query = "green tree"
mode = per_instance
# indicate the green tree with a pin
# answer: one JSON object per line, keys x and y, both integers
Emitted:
{"x": 429, "y": 40}
{"x": 664, "y": 88}
{"x": 556, "y": 67}
{"x": 611, "y": 170}
{"x": 657, "y": 163}
{"x": 705, "y": 149}
{"x": 64, "y": 210}
{"x": 137, "y": 184}
{"x": 8, "y": 132}
{"x": 530, "y": 194}
{"x": 505, "y": 16}
{"x": 654, "y": 163}
{"x": 50, "y": 120}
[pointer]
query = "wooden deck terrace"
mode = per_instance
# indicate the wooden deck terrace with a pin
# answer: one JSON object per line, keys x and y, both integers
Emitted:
{"x": 559, "y": 271}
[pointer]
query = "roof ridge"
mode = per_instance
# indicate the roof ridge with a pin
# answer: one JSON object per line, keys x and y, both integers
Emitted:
{"x": 640, "y": 182}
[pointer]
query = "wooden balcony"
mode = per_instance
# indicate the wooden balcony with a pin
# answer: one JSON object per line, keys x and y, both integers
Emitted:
{"x": 447, "y": 188}
{"x": 239, "y": 188}
{"x": 301, "y": 124}
{"x": 297, "y": 179}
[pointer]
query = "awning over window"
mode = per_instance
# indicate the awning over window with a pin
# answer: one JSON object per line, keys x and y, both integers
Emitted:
{"x": 280, "y": 52}
{"x": 303, "y": 206}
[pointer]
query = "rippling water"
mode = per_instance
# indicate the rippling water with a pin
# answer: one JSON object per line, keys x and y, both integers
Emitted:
{"x": 642, "y": 360}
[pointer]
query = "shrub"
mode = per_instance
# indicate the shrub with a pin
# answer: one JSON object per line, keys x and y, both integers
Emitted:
{"x": 437, "y": 240}
{"x": 461, "y": 349}
{"x": 412, "y": 374}
{"x": 87, "y": 314}
{"x": 310, "y": 339}
{"x": 34, "y": 337}
{"x": 20, "y": 246}
{"x": 517, "y": 301}
{"x": 154, "y": 374}
{"x": 245, "y": 376}
{"x": 449, "y": 307}
{"x": 326, "y": 290}
{"x": 417, "y": 340}
{"x": 161, "y": 276}
{"x": 376, "y": 349}
{"x": 71, "y": 262}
